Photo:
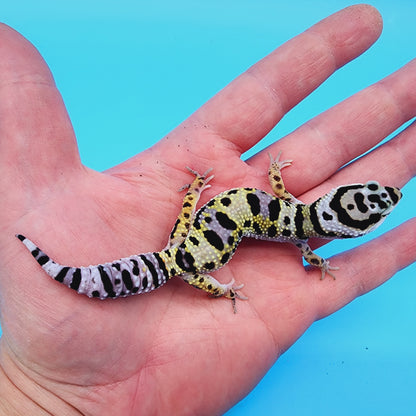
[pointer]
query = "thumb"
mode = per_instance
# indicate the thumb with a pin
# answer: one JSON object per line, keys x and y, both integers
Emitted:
{"x": 36, "y": 135}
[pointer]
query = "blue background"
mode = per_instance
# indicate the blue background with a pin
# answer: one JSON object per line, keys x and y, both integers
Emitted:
{"x": 130, "y": 71}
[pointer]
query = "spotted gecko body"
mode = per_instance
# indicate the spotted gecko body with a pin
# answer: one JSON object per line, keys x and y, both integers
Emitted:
{"x": 205, "y": 241}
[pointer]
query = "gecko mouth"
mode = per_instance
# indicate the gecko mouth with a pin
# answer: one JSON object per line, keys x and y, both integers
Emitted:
{"x": 395, "y": 196}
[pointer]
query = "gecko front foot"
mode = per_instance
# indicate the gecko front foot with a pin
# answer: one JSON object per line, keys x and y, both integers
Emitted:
{"x": 277, "y": 163}
{"x": 325, "y": 268}
{"x": 200, "y": 182}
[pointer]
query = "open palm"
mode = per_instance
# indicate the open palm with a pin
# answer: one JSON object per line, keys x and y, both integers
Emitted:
{"x": 177, "y": 351}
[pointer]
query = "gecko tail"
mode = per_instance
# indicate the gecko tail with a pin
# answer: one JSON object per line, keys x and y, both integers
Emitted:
{"x": 124, "y": 277}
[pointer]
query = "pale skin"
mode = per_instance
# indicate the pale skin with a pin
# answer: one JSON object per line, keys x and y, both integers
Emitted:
{"x": 177, "y": 351}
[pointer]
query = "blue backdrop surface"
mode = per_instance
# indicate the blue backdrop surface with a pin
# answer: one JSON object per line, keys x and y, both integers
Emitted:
{"x": 130, "y": 71}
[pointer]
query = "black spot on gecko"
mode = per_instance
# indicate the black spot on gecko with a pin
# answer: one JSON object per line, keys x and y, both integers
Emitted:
{"x": 135, "y": 270}
{"x": 152, "y": 270}
{"x": 286, "y": 220}
{"x": 254, "y": 202}
{"x": 286, "y": 233}
{"x": 194, "y": 241}
{"x": 359, "y": 200}
{"x": 190, "y": 260}
{"x": 162, "y": 265}
{"x": 326, "y": 216}
{"x": 225, "y": 258}
{"x": 214, "y": 239}
{"x": 299, "y": 218}
{"x": 225, "y": 201}
{"x": 232, "y": 192}
{"x": 116, "y": 266}
{"x": 272, "y": 231}
{"x": 257, "y": 228}
{"x": 76, "y": 279}
{"x": 108, "y": 285}
{"x": 209, "y": 266}
{"x": 125, "y": 275}
{"x": 225, "y": 221}
{"x": 43, "y": 259}
{"x": 274, "y": 209}
{"x": 61, "y": 275}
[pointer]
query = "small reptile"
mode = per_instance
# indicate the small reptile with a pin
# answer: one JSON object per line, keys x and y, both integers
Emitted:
{"x": 204, "y": 241}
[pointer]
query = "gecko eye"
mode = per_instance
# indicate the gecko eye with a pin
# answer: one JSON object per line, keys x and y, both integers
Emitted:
{"x": 372, "y": 185}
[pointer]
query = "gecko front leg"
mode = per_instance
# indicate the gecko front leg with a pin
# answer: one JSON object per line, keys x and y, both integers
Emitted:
{"x": 184, "y": 220}
{"x": 315, "y": 260}
{"x": 276, "y": 180}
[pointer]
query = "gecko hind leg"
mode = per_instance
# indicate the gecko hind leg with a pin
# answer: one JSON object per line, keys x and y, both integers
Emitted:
{"x": 212, "y": 286}
{"x": 184, "y": 220}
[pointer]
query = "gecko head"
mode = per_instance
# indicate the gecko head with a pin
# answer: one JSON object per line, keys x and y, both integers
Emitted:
{"x": 357, "y": 209}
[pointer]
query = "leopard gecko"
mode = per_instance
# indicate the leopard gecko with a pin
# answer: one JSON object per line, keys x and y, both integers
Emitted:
{"x": 204, "y": 241}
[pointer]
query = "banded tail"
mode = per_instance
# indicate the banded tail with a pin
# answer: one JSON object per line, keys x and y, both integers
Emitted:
{"x": 128, "y": 276}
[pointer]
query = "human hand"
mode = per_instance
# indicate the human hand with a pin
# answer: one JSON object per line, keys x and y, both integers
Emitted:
{"x": 175, "y": 350}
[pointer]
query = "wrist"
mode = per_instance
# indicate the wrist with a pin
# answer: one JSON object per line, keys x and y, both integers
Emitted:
{"x": 21, "y": 395}
{"x": 13, "y": 401}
